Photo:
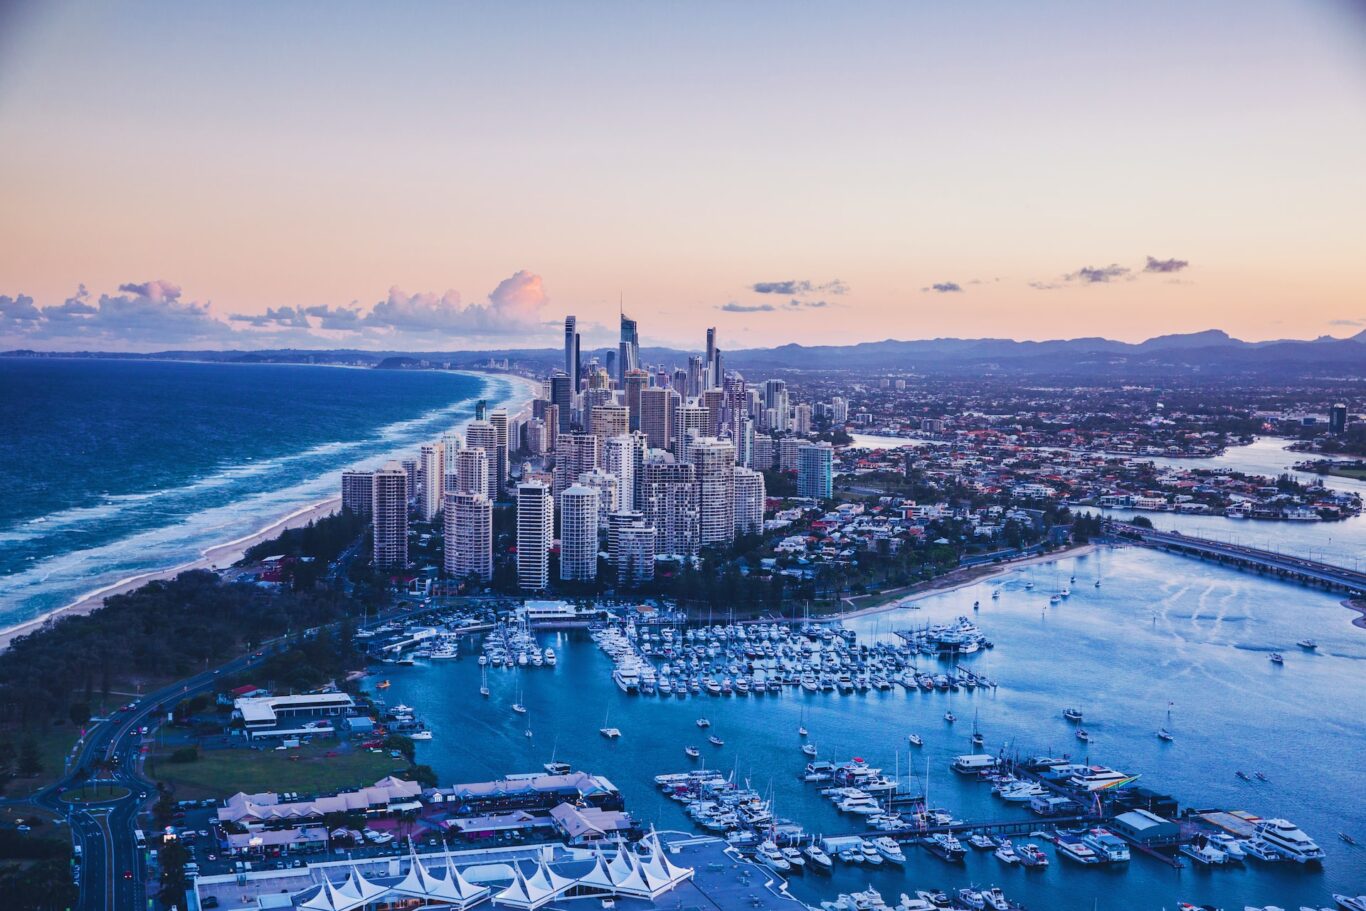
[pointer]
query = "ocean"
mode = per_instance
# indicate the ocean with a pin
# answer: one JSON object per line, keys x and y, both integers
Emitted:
{"x": 116, "y": 468}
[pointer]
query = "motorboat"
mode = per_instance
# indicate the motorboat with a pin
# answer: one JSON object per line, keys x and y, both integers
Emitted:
{"x": 995, "y": 899}
{"x": 1073, "y": 715}
{"x": 1232, "y": 847}
{"x": 818, "y": 859}
{"x": 1308, "y": 644}
{"x": 1350, "y": 902}
{"x": 692, "y": 752}
{"x": 716, "y": 741}
{"x": 610, "y": 733}
{"x": 1202, "y": 852}
{"x": 982, "y": 841}
{"x": 946, "y": 847}
{"x": 889, "y": 849}
{"x": 424, "y": 734}
{"x": 1074, "y": 848}
{"x": 1031, "y": 855}
{"x": 971, "y": 898}
{"x": 1083, "y": 735}
{"x": 557, "y": 768}
{"x": 809, "y": 749}
{"x": 1286, "y": 839}
{"x": 871, "y": 855}
{"x": 851, "y": 856}
{"x": 1005, "y": 852}
{"x": 1277, "y": 658}
{"x": 770, "y": 856}
{"x": 1108, "y": 846}
{"x": 916, "y": 740}
{"x": 794, "y": 859}
{"x": 703, "y": 723}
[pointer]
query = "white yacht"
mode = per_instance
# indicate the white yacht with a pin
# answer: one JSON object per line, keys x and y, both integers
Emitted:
{"x": 1108, "y": 846}
{"x": 889, "y": 849}
{"x": 1286, "y": 839}
{"x": 818, "y": 858}
{"x": 770, "y": 856}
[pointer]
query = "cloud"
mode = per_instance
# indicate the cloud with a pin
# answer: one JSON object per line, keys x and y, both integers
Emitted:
{"x": 513, "y": 308}
{"x": 290, "y": 317}
{"x": 736, "y": 307}
{"x": 1044, "y": 286}
{"x": 1332, "y": 322}
{"x": 794, "y": 287}
{"x": 1092, "y": 275}
{"x": 796, "y": 304}
{"x": 945, "y": 287}
{"x": 341, "y": 319}
{"x": 149, "y": 313}
{"x": 74, "y": 308}
{"x": 1165, "y": 265}
{"x": 18, "y": 312}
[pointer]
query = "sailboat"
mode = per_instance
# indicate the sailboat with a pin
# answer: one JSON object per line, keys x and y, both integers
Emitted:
{"x": 553, "y": 767}
{"x": 484, "y": 682}
{"x": 1165, "y": 733}
{"x": 609, "y": 732}
{"x": 518, "y": 706}
{"x": 809, "y": 749}
{"x": 977, "y": 738}
{"x": 801, "y": 728}
{"x": 527, "y": 732}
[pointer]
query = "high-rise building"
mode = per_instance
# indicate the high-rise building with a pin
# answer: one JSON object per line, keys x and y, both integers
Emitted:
{"x": 468, "y": 536}
{"x": 801, "y": 419}
{"x": 712, "y": 378}
{"x": 609, "y": 489}
{"x": 575, "y": 453}
{"x": 636, "y": 381}
{"x": 656, "y": 416}
{"x": 743, "y": 438}
{"x": 609, "y": 421}
{"x": 571, "y": 352}
{"x": 690, "y": 421}
{"x": 562, "y": 397}
{"x": 628, "y": 350}
{"x": 471, "y": 472}
{"x": 617, "y": 521}
{"x": 694, "y": 387}
{"x": 410, "y": 468}
{"x": 714, "y": 400}
{"x": 679, "y": 381}
{"x": 535, "y": 437}
{"x": 762, "y": 453}
{"x": 483, "y": 435}
{"x": 499, "y": 472}
{"x": 788, "y": 453}
{"x": 619, "y": 459}
{"x": 713, "y": 463}
{"x": 816, "y": 470}
{"x": 634, "y": 556}
{"x": 668, "y": 499}
{"x": 1337, "y": 419}
{"x": 451, "y": 444}
{"x": 839, "y": 411}
{"x": 552, "y": 426}
{"x": 358, "y": 491}
{"x": 749, "y": 501}
{"x": 389, "y": 512}
{"x": 535, "y": 531}
{"x": 433, "y": 481}
{"x": 579, "y": 533}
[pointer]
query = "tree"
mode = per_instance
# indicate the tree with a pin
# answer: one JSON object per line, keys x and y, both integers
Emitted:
{"x": 29, "y": 762}
{"x": 79, "y": 713}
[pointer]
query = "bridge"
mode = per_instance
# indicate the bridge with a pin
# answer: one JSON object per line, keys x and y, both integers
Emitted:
{"x": 1282, "y": 566}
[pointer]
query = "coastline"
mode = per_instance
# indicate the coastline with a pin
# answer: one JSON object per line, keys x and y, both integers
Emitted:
{"x": 221, "y": 556}
{"x": 962, "y": 578}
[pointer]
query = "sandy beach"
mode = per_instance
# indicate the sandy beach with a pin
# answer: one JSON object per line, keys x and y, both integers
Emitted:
{"x": 224, "y": 555}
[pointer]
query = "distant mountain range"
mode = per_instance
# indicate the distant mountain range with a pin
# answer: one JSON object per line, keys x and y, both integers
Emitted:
{"x": 1213, "y": 353}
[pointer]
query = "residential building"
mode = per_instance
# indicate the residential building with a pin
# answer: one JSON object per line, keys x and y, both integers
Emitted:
{"x": 657, "y": 406}
{"x": 668, "y": 499}
{"x": 358, "y": 491}
{"x": 471, "y": 472}
{"x": 609, "y": 489}
{"x": 575, "y": 453}
{"x": 498, "y": 465}
{"x": 607, "y": 421}
{"x": 816, "y": 471}
{"x": 713, "y": 463}
{"x": 535, "y": 532}
{"x": 483, "y": 435}
{"x": 749, "y": 495}
{"x": 579, "y": 533}
{"x": 433, "y": 479}
{"x": 690, "y": 421}
{"x": 619, "y": 459}
{"x": 451, "y": 444}
{"x": 634, "y": 557}
{"x": 469, "y": 536}
{"x": 562, "y": 397}
{"x": 389, "y": 513}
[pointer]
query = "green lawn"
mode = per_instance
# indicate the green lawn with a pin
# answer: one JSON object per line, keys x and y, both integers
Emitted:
{"x": 221, "y": 773}
{"x": 1356, "y": 473}
{"x": 53, "y": 741}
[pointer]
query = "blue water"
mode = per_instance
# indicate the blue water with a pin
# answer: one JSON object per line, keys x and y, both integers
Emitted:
{"x": 1160, "y": 629}
{"x": 115, "y": 468}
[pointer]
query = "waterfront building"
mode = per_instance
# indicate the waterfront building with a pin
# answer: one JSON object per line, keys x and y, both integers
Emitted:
{"x": 656, "y": 415}
{"x": 433, "y": 474}
{"x": 816, "y": 471}
{"x": 498, "y": 465}
{"x": 575, "y": 453}
{"x": 713, "y": 463}
{"x": 451, "y": 444}
{"x": 579, "y": 533}
{"x": 535, "y": 531}
{"x": 483, "y": 435}
{"x": 608, "y": 487}
{"x": 414, "y": 477}
{"x": 619, "y": 459}
{"x": 749, "y": 495}
{"x": 468, "y": 536}
{"x": 668, "y": 498}
{"x": 389, "y": 513}
{"x": 616, "y": 521}
{"x": 634, "y": 556}
{"x": 358, "y": 491}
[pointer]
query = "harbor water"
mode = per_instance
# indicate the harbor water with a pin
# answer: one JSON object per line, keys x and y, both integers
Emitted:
{"x": 1159, "y": 629}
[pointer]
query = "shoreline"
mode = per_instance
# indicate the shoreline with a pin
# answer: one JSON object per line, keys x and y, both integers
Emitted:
{"x": 222, "y": 556}
{"x": 963, "y": 577}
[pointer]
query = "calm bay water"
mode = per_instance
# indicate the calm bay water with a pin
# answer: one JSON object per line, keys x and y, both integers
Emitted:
{"x": 1159, "y": 629}
{"x": 115, "y": 468}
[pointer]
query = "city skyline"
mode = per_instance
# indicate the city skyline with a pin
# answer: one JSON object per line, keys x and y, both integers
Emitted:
{"x": 996, "y": 172}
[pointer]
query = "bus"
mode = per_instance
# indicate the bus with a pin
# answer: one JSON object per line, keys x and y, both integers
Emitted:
{"x": 139, "y": 839}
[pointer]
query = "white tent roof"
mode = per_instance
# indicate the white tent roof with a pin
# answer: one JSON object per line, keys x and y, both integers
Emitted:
{"x": 467, "y": 891}
{"x": 598, "y": 877}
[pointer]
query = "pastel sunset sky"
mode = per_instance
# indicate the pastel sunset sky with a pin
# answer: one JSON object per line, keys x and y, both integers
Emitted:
{"x": 453, "y": 175}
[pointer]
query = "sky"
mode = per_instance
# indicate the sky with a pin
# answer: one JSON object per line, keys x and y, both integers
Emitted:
{"x": 450, "y": 175}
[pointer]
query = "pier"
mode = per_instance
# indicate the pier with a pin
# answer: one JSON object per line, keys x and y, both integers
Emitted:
{"x": 1282, "y": 566}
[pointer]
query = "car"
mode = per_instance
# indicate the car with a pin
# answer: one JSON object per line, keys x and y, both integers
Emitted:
{"x": 209, "y": 901}
{"x": 216, "y": 672}
{"x": 127, "y": 874}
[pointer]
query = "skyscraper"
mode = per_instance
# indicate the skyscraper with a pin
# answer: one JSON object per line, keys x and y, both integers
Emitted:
{"x": 690, "y": 421}
{"x": 499, "y": 419}
{"x": 571, "y": 352}
{"x": 609, "y": 421}
{"x": 433, "y": 480}
{"x": 451, "y": 445}
{"x": 714, "y": 400}
{"x": 656, "y": 416}
{"x": 694, "y": 387}
{"x": 609, "y": 492}
{"x": 535, "y": 531}
{"x": 633, "y": 557}
{"x": 471, "y": 472}
{"x": 358, "y": 491}
{"x": 575, "y": 453}
{"x": 712, "y": 378}
{"x": 1337, "y": 419}
{"x": 562, "y": 397}
{"x": 619, "y": 459}
{"x": 668, "y": 499}
{"x": 713, "y": 463}
{"x": 815, "y": 470}
{"x": 483, "y": 435}
{"x": 636, "y": 382}
{"x": 749, "y": 501}
{"x": 468, "y": 536}
{"x": 801, "y": 419}
{"x": 628, "y": 350}
{"x": 579, "y": 533}
{"x": 389, "y": 509}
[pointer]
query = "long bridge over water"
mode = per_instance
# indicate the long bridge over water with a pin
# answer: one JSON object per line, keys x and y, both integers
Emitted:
{"x": 1282, "y": 566}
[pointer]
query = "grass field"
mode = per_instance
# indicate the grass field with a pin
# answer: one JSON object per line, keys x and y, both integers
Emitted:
{"x": 53, "y": 742}
{"x": 1358, "y": 474}
{"x": 94, "y": 795}
{"x": 308, "y": 770}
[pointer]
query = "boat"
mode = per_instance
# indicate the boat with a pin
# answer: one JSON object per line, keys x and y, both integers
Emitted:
{"x": 1074, "y": 848}
{"x": 557, "y": 768}
{"x": 716, "y": 741}
{"x": 484, "y": 681}
{"x": 871, "y": 854}
{"x": 1202, "y": 852}
{"x": 1276, "y": 658}
{"x": 1308, "y": 644}
{"x": 851, "y": 856}
{"x": 1261, "y": 776}
{"x": 996, "y": 899}
{"x": 915, "y": 740}
{"x": 423, "y": 734}
{"x": 1005, "y": 852}
{"x": 889, "y": 849}
{"x": 982, "y": 841}
{"x": 1108, "y": 846}
{"x": 818, "y": 859}
{"x": 692, "y": 752}
{"x": 769, "y": 855}
{"x": 971, "y": 898}
{"x": 794, "y": 859}
{"x": 946, "y": 847}
{"x": 1350, "y": 903}
{"x": 1055, "y": 599}
{"x": 1347, "y": 838}
{"x": 950, "y": 717}
{"x": 703, "y": 723}
{"x": 995, "y": 595}
{"x": 1286, "y": 839}
{"x": 820, "y": 770}
{"x": 1165, "y": 733}
{"x": 383, "y": 685}
{"x": 1232, "y": 847}
{"x": 1262, "y": 851}
{"x": 610, "y": 733}
{"x": 1073, "y": 715}
{"x": 519, "y": 708}
{"x": 1243, "y": 775}
{"x": 809, "y": 749}
{"x": 1083, "y": 735}
{"x": 1031, "y": 855}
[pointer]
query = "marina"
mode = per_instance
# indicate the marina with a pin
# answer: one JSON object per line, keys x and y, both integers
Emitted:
{"x": 1153, "y": 635}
